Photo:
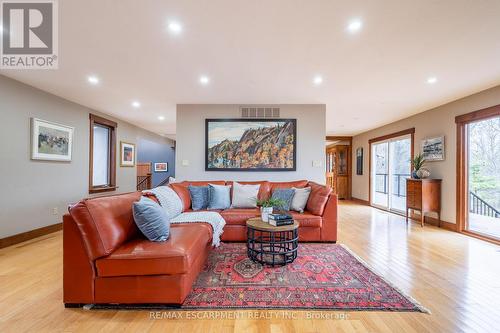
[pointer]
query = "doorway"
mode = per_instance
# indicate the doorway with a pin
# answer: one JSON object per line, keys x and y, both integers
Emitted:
{"x": 483, "y": 167}
{"x": 390, "y": 166}
{"x": 478, "y": 166}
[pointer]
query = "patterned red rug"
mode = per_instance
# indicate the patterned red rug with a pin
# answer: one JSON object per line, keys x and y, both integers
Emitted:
{"x": 324, "y": 276}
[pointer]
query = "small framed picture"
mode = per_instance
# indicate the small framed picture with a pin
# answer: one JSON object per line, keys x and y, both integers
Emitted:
{"x": 433, "y": 148}
{"x": 51, "y": 141}
{"x": 359, "y": 161}
{"x": 161, "y": 167}
{"x": 127, "y": 154}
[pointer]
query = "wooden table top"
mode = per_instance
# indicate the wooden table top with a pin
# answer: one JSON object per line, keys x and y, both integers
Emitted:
{"x": 257, "y": 224}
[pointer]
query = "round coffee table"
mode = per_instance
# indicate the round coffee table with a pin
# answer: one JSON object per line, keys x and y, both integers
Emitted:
{"x": 270, "y": 245}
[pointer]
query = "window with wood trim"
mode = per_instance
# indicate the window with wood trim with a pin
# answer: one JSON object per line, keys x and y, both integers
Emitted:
{"x": 102, "y": 166}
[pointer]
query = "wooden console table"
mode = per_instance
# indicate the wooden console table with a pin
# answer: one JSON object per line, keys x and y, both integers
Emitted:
{"x": 423, "y": 195}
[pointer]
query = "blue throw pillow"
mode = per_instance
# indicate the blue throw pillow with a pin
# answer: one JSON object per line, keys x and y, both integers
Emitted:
{"x": 199, "y": 197}
{"x": 151, "y": 219}
{"x": 285, "y": 194}
{"x": 219, "y": 196}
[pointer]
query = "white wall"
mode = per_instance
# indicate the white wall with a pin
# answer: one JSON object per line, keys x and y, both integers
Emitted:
{"x": 30, "y": 190}
{"x": 190, "y": 142}
{"x": 431, "y": 123}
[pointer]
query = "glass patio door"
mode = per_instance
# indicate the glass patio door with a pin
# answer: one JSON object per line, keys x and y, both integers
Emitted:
{"x": 390, "y": 167}
{"x": 483, "y": 165}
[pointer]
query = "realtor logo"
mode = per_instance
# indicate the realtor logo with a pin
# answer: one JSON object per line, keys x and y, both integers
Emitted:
{"x": 29, "y": 34}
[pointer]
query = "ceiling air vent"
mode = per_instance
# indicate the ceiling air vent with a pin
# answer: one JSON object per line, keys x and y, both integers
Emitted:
{"x": 259, "y": 112}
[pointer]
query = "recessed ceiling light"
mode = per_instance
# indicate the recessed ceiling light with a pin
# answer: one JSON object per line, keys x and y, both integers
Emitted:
{"x": 93, "y": 79}
{"x": 161, "y": 118}
{"x": 432, "y": 80}
{"x": 204, "y": 80}
{"x": 175, "y": 27}
{"x": 136, "y": 104}
{"x": 318, "y": 80}
{"x": 354, "y": 26}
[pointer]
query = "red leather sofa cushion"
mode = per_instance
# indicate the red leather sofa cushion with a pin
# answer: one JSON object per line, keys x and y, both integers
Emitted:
{"x": 307, "y": 219}
{"x": 142, "y": 257}
{"x": 107, "y": 222}
{"x": 296, "y": 183}
{"x": 318, "y": 198}
{"x": 239, "y": 216}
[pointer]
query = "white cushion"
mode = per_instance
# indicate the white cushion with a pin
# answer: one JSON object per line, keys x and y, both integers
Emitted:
{"x": 299, "y": 199}
{"x": 245, "y": 196}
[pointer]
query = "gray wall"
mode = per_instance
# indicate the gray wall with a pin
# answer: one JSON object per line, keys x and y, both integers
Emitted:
{"x": 431, "y": 123}
{"x": 190, "y": 142}
{"x": 31, "y": 190}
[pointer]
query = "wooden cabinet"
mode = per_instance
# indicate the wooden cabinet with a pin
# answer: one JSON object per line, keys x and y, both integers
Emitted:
{"x": 423, "y": 195}
{"x": 338, "y": 170}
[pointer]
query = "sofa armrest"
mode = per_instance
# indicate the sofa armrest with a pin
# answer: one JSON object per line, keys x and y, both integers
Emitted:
{"x": 78, "y": 269}
{"x": 329, "y": 223}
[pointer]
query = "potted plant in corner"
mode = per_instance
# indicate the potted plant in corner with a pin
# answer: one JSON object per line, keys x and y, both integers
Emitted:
{"x": 267, "y": 207}
{"x": 418, "y": 171}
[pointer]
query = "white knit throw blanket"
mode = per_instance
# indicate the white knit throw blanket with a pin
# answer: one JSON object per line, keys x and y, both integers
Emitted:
{"x": 213, "y": 218}
{"x": 172, "y": 205}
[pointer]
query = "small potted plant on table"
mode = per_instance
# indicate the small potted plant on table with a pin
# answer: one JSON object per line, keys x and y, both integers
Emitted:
{"x": 267, "y": 207}
{"x": 419, "y": 172}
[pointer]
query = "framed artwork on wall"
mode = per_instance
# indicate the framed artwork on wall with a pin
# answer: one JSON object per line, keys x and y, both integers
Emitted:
{"x": 250, "y": 144}
{"x": 127, "y": 154}
{"x": 161, "y": 167}
{"x": 51, "y": 141}
{"x": 359, "y": 161}
{"x": 433, "y": 148}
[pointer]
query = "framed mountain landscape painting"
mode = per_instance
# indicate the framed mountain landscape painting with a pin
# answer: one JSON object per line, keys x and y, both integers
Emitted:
{"x": 250, "y": 144}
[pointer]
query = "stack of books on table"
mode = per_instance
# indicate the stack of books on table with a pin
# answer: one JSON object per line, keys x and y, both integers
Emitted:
{"x": 279, "y": 220}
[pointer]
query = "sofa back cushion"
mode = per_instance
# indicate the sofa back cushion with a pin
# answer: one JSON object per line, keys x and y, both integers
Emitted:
{"x": 318, "y": 198}
{"x": 105, "y": 222}
{"x": 295, "y": 183}
{"x": 264, "y": 189}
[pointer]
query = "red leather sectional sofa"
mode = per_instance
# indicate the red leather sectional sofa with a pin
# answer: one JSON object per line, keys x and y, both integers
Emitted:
{"x": 107, "y": 260}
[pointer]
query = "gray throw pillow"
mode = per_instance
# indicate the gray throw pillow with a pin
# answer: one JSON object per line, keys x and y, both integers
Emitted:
{"x": 199, "y": 197}
{"x": 299, "y": 200}
{"x": 285, "y": 194}
{"x": 151, "y": 219}
{"x": 218, "y": 196}
{"x": 245, "y": 196}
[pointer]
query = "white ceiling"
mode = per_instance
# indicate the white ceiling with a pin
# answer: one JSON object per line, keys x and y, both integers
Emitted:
{"x": 269, "y": 52}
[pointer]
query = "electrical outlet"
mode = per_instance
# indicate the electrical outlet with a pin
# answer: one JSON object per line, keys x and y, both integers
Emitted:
{"x": 55, "y": 211}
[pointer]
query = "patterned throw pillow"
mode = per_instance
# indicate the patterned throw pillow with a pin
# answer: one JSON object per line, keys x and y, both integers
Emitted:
{"x": 286, "y": 195}
{"x": 218, "y": 196}
{"x": 199, "y": 197}
{"x": 245, "y": 196}
{"x": 151, "y": 219}
{"x": 299, "y": 200}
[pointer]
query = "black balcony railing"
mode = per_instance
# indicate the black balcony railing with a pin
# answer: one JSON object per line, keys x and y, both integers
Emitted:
{"x": 398, "y": 183}
{"x": 481, "y": 207}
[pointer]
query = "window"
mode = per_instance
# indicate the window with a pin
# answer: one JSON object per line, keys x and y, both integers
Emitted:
{"x": 102, "y": 175}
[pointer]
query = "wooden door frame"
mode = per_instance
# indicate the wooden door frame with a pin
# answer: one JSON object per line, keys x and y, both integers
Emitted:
{"x": 462, "y": 168}
{"x": 410, "y": 131}
{"x": 349, "y": 160}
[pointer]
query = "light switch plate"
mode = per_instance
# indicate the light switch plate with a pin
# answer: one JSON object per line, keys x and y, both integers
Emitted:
{"x": 317, "y": 163}
{"x": 185, "y": 162}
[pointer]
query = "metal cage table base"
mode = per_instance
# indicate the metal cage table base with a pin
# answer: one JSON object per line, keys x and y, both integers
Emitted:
{"x": 274, "y": 248}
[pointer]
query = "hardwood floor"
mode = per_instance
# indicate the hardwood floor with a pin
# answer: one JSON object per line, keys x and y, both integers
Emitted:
{"x": 455, "y": 276}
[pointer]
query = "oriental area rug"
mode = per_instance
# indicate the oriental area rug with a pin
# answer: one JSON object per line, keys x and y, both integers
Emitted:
{"x": 323, "y": 277}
